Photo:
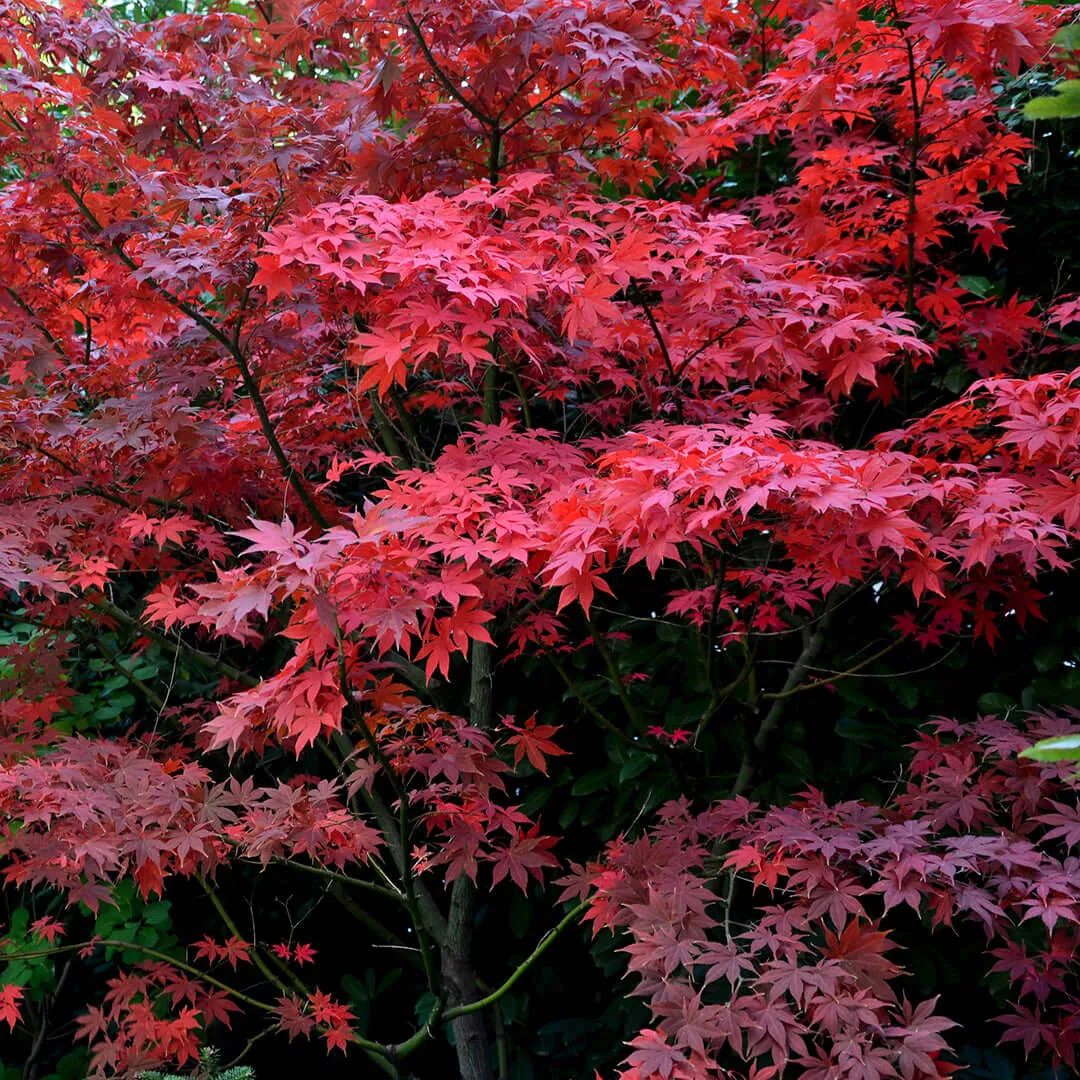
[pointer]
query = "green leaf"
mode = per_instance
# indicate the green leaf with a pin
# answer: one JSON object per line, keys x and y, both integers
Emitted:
{"x": 1068, "y": 38}
{"x": 519, "y": 916}
{"x": 1059, "y": 748}
{"x": 1048, "y": 657}
{"x": 19, "y": 923}
{"x": 1064, "y": 104}
{"x": 907, "y": 693}
{"x": 592, "y": 781}
{"x": 73, "y": 1066}
{"x": 995, "y": 704}
{"x": 957, "y": 378}
{"x": 157, "y": 913}
{"x": 980, "y": 286}
{"x": 536, "y": 799}
{"x": 635, "y": 765}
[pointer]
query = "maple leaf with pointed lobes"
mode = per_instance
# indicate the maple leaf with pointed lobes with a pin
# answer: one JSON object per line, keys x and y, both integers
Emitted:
{"x": 1029, "y": 1027}
{"x": 767, "y": 869}
{"x": 578, "y": 583}
{"x": 269, "y": 536}
{"x": 452, "y": 635}
{"x": 233, "y": 951}
{"x": 919, "y": 1031}
{"x": 91, "y": 1024}
{"x": 853, "y": 365}
{"x": 292, "y": 1017}
{"x": 652, "y": 1056}
{"x": 10, "y": 996}
{"x": 1065, "y": 821}
{"x": 47, "y": 929}
{"x": 591, "y": 303}
{"x": 338, "y": 1037}
{"x": 334, "y": 1018}
{"x": 165, "y": 605}
{"x": 217, "y": 1006}
{"x": 382, "y": 352}
{"x": 304, "y": 954}
{"x": 527, "y": 853}
{"x": 532, "y": 741}
{"x": 276, "y": 279}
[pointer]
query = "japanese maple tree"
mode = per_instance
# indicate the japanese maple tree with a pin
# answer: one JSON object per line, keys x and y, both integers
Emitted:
{"x": 382, "y": 381}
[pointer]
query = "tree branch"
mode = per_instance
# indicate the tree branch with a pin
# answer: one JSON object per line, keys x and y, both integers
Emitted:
{"x": 587, "y": 705}
{"x": 814, "y": 640}
{"x": 206, "y": 659}
{"x": 232, "y": 346}
{"x": 447, "y": 83}
{"x": 834, "y": 676}
{"x": 541, "y": 947}
{"x": 156, "y": 954}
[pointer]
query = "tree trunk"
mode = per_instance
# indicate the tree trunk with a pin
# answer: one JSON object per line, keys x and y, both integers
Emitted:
{"x": 459, "y": 977}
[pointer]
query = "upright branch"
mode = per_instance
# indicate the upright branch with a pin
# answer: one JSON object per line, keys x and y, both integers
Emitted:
{"x": 814, "y": 637}
{"x": 914, "y": 149}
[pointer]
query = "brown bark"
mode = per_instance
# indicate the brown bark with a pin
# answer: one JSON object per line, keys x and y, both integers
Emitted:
{"x": 459, "y": 977}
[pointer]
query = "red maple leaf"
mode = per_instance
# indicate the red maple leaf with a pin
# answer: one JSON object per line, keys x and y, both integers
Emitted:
{"x": 10, "y": 996}
{"x": 533, "y": 741}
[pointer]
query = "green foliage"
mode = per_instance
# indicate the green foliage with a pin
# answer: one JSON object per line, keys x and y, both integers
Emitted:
{"x": 107, "y": 694}
{"x": 109, "y": 685}
{"x": 989, "y": 1064}
{"x": 207, "y": 1069}
{"x": 1068, "y": 38}
{"x": 142, "y": 11}
{"x": 1063, "y": 104}
{"x": 130, "y": 918}
{"x": 1059, "y": 748}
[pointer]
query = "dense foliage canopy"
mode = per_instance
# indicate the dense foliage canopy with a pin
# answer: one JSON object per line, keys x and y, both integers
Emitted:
{"x": 497, "y": 500}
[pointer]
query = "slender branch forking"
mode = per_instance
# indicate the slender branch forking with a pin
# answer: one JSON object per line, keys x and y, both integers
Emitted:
{"x": 155, "y": 954}
{"x": 214, "y": 662}
{"x": 251, "y": 385}
{"x": 578, "y": 299}
{"x": 541, "y": 947}
{"x": 813, "y": 642}
{"x": 38, "y": 322}
{"x": 913, "y": 166}
{"x": 615, "y": 677}
{"x": 447, "y": 83}
{"x": 539, "y": 105}
{"x": 233, "y": 929}
{"x": 654, "y": 326}
{"x": 815, "y": 683}
{"x": 404, "y": 825}
{"x": 337, "y": 878}
{"x": 587, "y": 705}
